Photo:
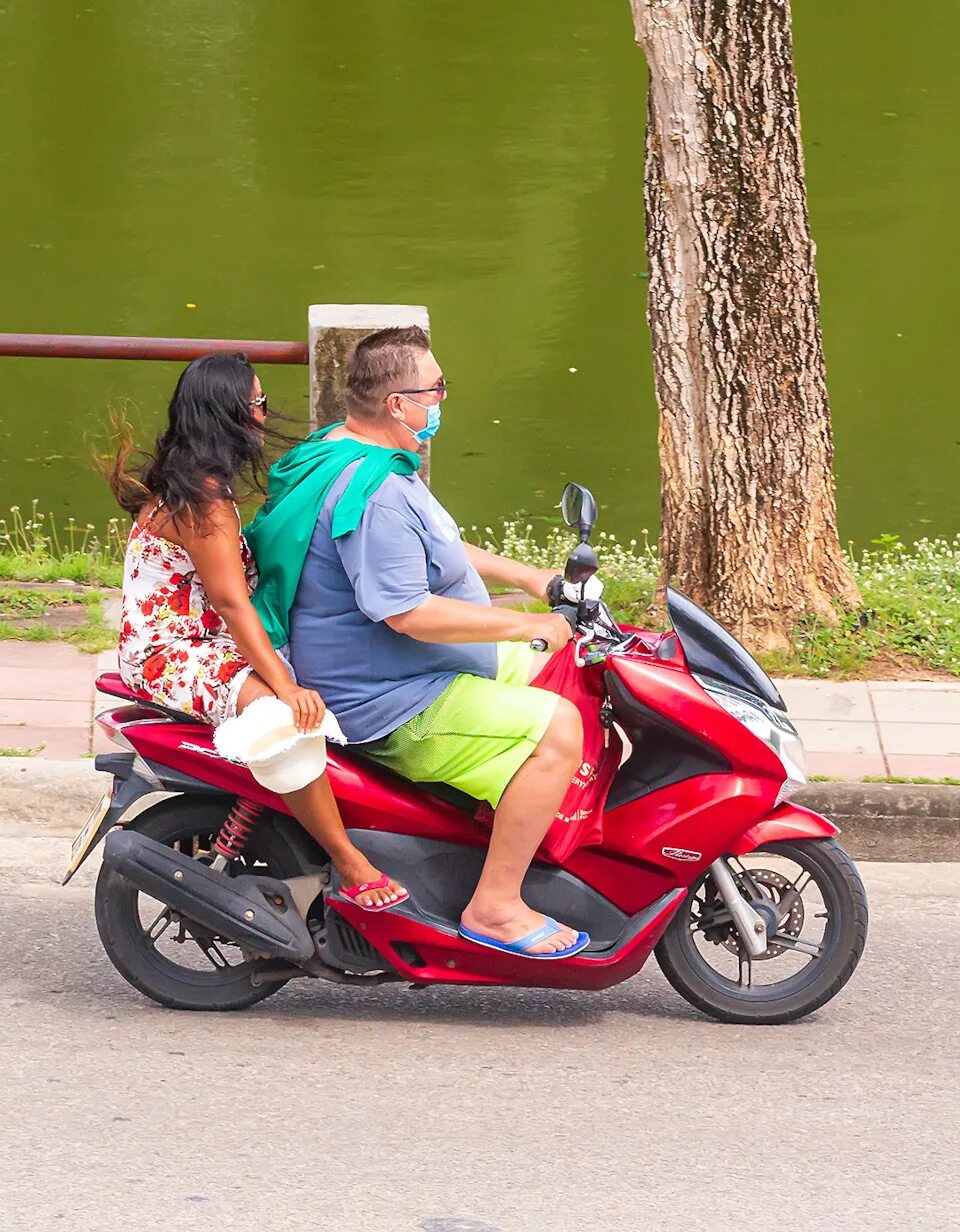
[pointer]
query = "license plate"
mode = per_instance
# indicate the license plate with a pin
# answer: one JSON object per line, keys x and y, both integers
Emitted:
{"x": 81, "y": 844}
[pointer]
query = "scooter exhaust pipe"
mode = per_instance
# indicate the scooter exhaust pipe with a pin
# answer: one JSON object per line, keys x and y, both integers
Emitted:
{"x": 255, "y": 911}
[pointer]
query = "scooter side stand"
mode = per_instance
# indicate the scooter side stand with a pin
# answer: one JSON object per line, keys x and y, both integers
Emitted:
{"x": 751, "y": 927}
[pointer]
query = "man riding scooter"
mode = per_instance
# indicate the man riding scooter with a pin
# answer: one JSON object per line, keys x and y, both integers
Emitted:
{"x": 390, "y": 620}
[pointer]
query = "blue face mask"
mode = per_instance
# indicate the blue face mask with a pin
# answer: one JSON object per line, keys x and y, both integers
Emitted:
{"x": 432, "y": 426}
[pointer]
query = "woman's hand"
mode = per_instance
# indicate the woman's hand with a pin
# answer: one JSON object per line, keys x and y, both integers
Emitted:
{"x": 307, "y": 706}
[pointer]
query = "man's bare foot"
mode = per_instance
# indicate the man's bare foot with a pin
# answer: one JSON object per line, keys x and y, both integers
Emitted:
{"x": 362, "y": 872}
{"x": 513, "y": 921}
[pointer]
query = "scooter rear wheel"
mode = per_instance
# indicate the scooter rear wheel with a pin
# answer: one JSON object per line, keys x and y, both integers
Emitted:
{"x": 813, "y": 900}
{"x": 170, "y": 960}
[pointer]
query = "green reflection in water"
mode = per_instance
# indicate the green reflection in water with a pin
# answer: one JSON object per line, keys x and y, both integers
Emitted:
{"x": 253, "y": 158}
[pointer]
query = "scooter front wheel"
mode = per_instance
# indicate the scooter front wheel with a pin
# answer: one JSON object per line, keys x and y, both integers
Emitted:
{"x": 812, "y": 899}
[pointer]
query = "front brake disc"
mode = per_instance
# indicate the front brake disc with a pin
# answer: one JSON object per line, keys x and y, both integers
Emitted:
{"x": 775, "y": 885}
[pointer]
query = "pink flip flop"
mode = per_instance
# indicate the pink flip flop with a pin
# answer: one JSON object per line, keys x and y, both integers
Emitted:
{"x": 383, "y": 883}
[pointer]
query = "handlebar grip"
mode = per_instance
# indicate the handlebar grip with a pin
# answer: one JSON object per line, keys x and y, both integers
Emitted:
{"x": 555, "y": 590}
{"x": 538, "y": 644}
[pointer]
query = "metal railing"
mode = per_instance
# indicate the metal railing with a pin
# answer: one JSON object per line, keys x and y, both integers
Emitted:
{"x": 104, "y": 346}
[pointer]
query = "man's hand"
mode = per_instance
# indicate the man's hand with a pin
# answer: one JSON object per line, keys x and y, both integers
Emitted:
{"x": 536, "y": 581}
{"x": 552, "y": 627}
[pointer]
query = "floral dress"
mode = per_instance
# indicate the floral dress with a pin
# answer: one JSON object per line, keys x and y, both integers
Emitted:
{"x": 173, "y": 644}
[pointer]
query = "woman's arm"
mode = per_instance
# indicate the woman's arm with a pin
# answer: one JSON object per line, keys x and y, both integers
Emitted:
{"x": 215, "y": 552}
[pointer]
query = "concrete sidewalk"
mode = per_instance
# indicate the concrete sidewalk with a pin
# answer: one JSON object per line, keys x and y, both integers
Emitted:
{"x": 48, "y": 699}
{"x": 858, "y": 729}
{"x": 851, "y": 730}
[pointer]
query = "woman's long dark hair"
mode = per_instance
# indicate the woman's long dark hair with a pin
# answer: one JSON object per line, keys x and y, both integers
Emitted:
{"x": 211, "y": 443}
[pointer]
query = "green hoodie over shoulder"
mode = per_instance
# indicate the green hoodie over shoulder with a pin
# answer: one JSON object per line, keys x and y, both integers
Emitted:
{"x": 298, "y": 484}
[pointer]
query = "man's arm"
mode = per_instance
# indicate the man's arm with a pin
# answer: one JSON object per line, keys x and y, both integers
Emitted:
{"x": 386, "y": 564}
{"x": 501, "y": 571}
{"x": 454, "y": 620}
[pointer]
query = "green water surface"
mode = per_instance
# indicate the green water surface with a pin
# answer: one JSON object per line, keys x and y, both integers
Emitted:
{"x": 252, "y": 158}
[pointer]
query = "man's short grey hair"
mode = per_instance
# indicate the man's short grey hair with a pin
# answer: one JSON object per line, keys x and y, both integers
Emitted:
{"x": 381, "y": 364}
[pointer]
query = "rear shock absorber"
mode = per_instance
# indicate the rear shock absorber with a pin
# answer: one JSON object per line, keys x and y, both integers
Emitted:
{"x": 235, "y": 832}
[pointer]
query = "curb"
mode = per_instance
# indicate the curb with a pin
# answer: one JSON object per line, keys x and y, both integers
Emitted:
{"x": 41, "y": 794}
{"x": 905, "y": 822}
{"x": 878, "y": 821}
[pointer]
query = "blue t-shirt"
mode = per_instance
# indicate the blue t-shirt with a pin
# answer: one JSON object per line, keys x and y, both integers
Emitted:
{"x": 405, "y": 548}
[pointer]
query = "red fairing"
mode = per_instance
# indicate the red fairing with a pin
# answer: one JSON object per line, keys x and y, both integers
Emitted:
{"x": 450, "y": 959}
{"x": 672, "y": 692}
{"x": 789, "y": 821}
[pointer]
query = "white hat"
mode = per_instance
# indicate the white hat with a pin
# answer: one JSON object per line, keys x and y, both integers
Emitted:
{"x": 265, "y": 739}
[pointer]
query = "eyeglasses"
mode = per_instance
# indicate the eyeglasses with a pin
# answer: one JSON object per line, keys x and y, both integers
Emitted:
{"x": 440, "y": 388}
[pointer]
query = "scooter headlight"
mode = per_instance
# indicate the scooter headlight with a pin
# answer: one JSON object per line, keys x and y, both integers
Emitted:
{"x": 769, "y": 725}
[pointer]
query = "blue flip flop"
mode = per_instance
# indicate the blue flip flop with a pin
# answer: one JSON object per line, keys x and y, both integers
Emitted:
{"x": 522, "y": 945}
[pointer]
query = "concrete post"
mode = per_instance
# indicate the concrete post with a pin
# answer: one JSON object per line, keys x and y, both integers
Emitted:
{"x": 333, "y": 330}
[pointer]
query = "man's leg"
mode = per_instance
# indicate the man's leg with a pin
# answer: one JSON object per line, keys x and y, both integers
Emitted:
{"x": 522, "y": 818}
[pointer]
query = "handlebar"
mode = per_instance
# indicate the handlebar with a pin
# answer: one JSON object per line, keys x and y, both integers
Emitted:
{"x": 582, "y": 616}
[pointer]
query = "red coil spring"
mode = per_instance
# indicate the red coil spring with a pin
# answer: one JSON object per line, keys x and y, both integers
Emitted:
{"x": 238, "y": 827}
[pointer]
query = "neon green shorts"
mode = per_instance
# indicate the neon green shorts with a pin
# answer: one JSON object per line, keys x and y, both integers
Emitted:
{"x": 477, "y": 734}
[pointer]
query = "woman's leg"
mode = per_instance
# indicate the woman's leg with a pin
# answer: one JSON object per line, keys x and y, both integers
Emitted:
{"x": 315, "y": 807}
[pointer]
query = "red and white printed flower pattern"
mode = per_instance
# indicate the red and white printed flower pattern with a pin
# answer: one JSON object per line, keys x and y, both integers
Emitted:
{"x": 173, "y": 644}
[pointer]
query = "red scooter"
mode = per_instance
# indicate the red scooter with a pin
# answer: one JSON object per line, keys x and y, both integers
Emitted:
{"x": 212, "y": 897}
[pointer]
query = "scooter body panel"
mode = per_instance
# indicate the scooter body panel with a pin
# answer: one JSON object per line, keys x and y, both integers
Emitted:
{"x": 425, "y": 953}
{"x": 789, "y": 821}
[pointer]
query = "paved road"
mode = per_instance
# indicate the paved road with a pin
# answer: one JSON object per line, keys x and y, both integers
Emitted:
{"x": 455, "y": 1111}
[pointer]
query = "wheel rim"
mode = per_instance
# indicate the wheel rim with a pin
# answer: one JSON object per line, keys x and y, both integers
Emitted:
{"x": 176, "y": 944}
{"x": 801, "y": 907}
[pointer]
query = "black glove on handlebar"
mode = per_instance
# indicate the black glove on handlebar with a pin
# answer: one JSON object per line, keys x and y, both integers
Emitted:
{"x": 555, "y": 591}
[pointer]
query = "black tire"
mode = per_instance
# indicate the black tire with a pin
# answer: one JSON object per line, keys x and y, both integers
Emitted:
{"x": 278, "y": 842}
{"x": 843, "y": 941}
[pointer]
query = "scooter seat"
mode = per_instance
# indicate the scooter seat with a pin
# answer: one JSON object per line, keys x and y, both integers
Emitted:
{"x": 112, "y": 684}
{"x": 452, "y": 795}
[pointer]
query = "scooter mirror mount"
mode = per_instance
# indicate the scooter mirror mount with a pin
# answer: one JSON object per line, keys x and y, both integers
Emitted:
{"x": 579, "y": 509}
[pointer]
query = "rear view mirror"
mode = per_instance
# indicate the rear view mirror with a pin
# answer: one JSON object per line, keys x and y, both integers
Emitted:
{"x": 581, "y": 564}
{"x": 579, "y": 509}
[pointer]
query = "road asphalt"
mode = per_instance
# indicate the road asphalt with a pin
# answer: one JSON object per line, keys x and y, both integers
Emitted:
{"x": 461, "y": 1111}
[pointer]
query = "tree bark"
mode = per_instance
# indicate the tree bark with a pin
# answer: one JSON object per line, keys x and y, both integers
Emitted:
{"x": 748, "y": 510}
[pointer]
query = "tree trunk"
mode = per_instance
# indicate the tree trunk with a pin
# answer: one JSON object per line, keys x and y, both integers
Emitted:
{"x": 748, "y": 514}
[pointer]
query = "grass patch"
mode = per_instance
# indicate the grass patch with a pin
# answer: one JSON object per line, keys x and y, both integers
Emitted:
{"x": 39, "y": 616}
{"x": 919, "y": 782}
{"x": 6, "y": 751}
{"x": 888, "y": 778}
{"x": 909, "y": 623}
{"x": 18, "y": 633}
{"x": 910, "y": 615}
{"x": 37, "y": 548}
